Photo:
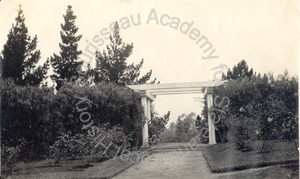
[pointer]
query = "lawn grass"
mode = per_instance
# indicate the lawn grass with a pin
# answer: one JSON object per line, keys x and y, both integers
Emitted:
{"x": 86, "y": 167}
{"x": 224, "y": 157}
{"x": 272, "y": 172}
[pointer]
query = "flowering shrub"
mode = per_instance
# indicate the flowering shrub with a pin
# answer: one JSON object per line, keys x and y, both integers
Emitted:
{"x": 70, "y": 147}
{"x": 8, "y": 158}
{"x": 104, "y": 144}
{"x": 243, "y": 131}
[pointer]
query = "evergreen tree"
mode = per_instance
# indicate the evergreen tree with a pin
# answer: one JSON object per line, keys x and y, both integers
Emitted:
{"x": 20, "y": 56}
{"x": 65, "y": 65}
{"x": 111, "y": 66}
{"x": 239, "y": 71}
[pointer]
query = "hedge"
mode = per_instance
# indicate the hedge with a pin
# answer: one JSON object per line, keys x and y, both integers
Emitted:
{"x": 33, "y": 117}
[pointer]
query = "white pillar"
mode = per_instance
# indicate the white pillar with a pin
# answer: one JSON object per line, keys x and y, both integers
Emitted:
{"x": 149, "y": 110}
{"x": 145, "y": 127}
{"x": 211, "y": 125}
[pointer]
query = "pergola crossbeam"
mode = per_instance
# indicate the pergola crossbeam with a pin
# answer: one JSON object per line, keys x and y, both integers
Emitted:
{"x": 149, "y": 91}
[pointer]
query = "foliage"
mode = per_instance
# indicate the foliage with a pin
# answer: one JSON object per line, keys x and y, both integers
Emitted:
{"x": 243, "y": 132}
{"x": 263, "y": 100}
{"x": 157, "y": 126}
{"x": 20, "y": 56}
{"x": 185, "y": 127}
{"x": 9, "y": 156}
{"x": 168, "y": 135}
{"x": 106, "y": 102}
{"x": 68, "y": 147}
{"x": 40, "y": 116}
{"x": 183, "y": 131}
{"x": 202, "y": 127}
{"x": 111, "y": 66}
{"x": 240, "y": 70}
{"x": 26, "y": 115}
{"x": 65, "y": 65}
{"x": 261, "y": 107}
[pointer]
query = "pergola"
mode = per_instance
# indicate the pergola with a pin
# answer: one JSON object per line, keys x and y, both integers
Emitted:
{"x": 150, "y": 91}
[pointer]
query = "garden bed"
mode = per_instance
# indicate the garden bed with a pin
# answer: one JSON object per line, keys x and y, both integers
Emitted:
{"x": 224, "y": 157}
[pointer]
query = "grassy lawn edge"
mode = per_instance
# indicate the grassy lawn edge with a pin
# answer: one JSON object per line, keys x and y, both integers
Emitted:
{"x": 108, "y": 168}
{"x": 215, "y": 156}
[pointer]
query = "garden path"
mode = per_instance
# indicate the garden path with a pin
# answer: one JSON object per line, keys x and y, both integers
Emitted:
{"x": 189, "y": 165}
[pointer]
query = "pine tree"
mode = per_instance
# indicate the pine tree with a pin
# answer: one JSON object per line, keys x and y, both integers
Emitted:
{"x": 111, "y": 66}
{"x": 239, "y": 71}
{"x": 65, "y": 65}
{"x": 20, "y": 56}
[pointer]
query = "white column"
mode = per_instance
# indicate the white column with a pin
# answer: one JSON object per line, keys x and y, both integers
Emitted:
{"x": 211, "y": 125}
{"x": 145, "y": 127}
{"x": 149, "y": 110}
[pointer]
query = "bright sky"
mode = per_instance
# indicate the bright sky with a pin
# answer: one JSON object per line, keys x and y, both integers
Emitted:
{"x": 264, "y": 33}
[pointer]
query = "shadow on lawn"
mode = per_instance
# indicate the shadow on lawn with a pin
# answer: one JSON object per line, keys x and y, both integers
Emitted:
{"x": 225, "y": 158}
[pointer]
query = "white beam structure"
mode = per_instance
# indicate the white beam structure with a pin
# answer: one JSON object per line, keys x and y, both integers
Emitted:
{"x": 150, "y": 91}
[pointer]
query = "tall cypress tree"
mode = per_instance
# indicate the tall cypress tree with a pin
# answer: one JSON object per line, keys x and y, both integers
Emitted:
{"x": 65, "y": 65}
{"x": 20, "y": 56}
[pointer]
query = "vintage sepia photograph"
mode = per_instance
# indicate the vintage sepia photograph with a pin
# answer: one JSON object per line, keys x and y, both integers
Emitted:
{"x": 153, "y": 89}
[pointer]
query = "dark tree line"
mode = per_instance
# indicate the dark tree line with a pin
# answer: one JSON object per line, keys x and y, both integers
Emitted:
{"x": 20, "y": 58}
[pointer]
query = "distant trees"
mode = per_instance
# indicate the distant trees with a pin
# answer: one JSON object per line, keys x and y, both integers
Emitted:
{"x": 182, "y": 131}
{"x": 20, "y": 56}
{"x": 66, "y": 63}
{"x": 111, "y": 65}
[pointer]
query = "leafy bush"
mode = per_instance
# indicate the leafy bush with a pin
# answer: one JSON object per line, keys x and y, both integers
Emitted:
{"x": 77, "y": 146}
{"x": 9, "y": 156}
{"x": 243, "y": 131}
{"x": 203, "y": 131}
{"x": 156, "y": 126}
{"x": 70, "y": 147}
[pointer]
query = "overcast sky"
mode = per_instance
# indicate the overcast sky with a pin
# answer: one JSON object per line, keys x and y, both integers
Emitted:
{"x": 264, "y": 33}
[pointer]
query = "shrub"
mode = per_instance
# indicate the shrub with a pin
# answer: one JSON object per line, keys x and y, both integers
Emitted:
{"x": 69, "y": 147}
{"x": 110, "y": 103}
{"x": 9, "y": 156}
{"x": 254, "y": 101}
{"x": 77, "y": 146}
{"x": 156, "y": 127}
{"x": 243, "y": 131}
{"x": 203, "y": 131}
